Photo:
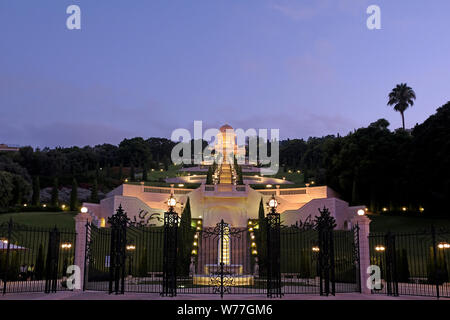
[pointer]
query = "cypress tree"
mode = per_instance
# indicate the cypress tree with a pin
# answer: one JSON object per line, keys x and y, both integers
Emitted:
{"x": 262, "y": 239}
{"x": 132, "y": 177}
{"x": 74, "y": 196}
{"x": 55, "y": 200}
{"x": 209, "y": 180}
{"x": 94, "y": 192}
{"x": 18, "y": 193}
{"x": 144, "y": 172}
{"x": 185, "y": 239}
{"x": 35, "y": 199}
{"x": 121, "y": 171}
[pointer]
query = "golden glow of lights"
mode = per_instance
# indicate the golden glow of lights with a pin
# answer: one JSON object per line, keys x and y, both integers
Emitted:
{"x": 252, "y": 236}
{"x": 194, "y": 252}
{"x": 195, "y": 243}
{"x": 253, "y": 244}
{"x": 380, "y": 248}
{"x": 25, "y": 205}
{"x": 181, "y": 185}
{"x": 250, "y": 229}
{"x": 254, "y": 252}
{"x": 196, "y": 236}
{"x": 315, "y": 249}
{"x": 4, "y": 241}
{"x": 198, "y": 228}
{"x": 269, "y": 186}
{"x": 66, "y": 245}
{"x": 199, "y": 222}
{"x": 404, "y": 208}
{"x": 361, "y": 212}
{"x": 421, "y": 209}
{"x": 444, "y": 245}
{"x": 63, "y": 206}
{"x": 131, "y": 247}
{"x": 298, "y": 171}
{"x": 250, "y": 222}
{"x": 126, "y": 180}
{"x": 385, "y": 209}
{"x": 161, "y": 170}
{"x": 102, "y": 223}
{"x": 84, "y": 210}
{"x": 44, "y": 205}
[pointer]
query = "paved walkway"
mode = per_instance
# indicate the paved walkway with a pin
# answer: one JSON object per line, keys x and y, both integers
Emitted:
{"x": 92, "y": 295}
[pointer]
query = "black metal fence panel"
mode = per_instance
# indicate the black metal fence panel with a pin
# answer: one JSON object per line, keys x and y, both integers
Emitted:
{"x": 415, "y": 263}
{"x": 143, "y": 262}
{"x": 34, "y": 259}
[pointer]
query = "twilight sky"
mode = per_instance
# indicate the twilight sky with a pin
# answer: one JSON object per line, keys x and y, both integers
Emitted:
{"x": 147, "y": 67}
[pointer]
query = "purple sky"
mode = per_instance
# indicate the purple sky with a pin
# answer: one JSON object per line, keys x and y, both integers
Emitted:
{"x": 144, "y": 68}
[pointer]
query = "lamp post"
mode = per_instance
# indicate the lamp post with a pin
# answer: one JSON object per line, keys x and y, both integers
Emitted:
{"x": 170, "y": 249}
{"x": 130, "y": 249}
{"x": 273, "y": 250}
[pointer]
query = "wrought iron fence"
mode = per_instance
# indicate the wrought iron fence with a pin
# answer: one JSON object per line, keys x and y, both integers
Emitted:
{"x": 143, "y": 265}
{"x": 34, "y": 259}
{"x": 415, "y": 263}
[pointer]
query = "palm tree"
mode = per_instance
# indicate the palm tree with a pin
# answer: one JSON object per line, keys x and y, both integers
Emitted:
{"x": 401, "y": 97}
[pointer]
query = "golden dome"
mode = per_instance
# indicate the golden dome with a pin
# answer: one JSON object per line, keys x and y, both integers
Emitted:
{"x": 225, "y": 127}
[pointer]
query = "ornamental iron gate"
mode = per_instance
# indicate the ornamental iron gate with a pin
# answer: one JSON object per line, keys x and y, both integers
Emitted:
{"x": 34, "y": 259}
{"x": 412, "y": 263}
{"x": 184, "y": 258}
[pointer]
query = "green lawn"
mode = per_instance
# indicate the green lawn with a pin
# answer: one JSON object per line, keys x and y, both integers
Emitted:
{"x": 385, "y": 223}
{"x": 42, "y": 219}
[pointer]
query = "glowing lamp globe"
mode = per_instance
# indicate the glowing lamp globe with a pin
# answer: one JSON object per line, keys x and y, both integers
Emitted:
{"x": 171, "y": 202}
{"x": 84, "y": 210}
{"x": 361, "y": 212}
{"x": 273, "y": 203}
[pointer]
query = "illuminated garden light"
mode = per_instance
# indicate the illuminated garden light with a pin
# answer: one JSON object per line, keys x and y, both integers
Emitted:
{"x": 361, "y": 212}
{"x": 444, "y": 245}
{"x": 380, "y": 248}
{"x": 315, "y": 249}
{"x": 66, "y": 246}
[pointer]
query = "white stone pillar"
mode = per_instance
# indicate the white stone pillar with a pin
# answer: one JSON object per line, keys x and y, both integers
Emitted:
{"x": 364, "y": 250}
{"x": 277, "y": 192}
{"x": 80, "y": 247}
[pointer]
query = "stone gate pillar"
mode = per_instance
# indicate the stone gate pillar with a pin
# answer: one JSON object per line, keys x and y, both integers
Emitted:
{"x": 80, "y": 246}
{"x": 364, "y": 250}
